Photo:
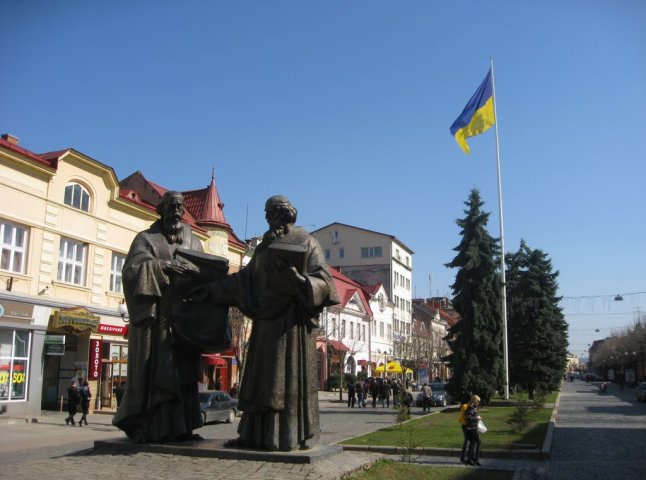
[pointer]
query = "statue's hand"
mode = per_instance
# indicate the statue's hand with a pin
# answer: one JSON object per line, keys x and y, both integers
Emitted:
{"x": 179, "y": 267}
{"x": 292, "y": 275}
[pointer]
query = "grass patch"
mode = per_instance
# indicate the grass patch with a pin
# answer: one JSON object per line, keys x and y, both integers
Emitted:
{"x": 390, "y": 470}
{"x": 549, "y": 397}
{"x": 442, "y": 430}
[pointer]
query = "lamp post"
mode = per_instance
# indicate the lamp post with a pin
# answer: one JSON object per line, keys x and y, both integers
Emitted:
{"x": 122, "y": 309}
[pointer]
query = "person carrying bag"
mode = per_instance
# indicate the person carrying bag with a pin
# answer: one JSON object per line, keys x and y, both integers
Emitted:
{"x": 473, "y": 434}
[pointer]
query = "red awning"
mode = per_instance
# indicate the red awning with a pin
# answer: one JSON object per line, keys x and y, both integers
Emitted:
{"x": 338, "y": 346}
{"x": 362, "y": 363}
{"x": 216, "y": 360}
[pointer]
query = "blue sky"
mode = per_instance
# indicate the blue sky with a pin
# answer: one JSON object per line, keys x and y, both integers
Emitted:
{"x": 345, "y": 107}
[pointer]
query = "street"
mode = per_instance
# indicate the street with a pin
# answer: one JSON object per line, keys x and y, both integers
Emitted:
{"x": 598, "y": 436}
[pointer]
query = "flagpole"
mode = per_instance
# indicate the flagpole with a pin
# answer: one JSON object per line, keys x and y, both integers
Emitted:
{"x": 502, "y": 243}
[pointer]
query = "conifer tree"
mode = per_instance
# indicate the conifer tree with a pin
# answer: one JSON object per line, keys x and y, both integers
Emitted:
{"x": 476, "y": 357}
{"x": 537, "y": 328}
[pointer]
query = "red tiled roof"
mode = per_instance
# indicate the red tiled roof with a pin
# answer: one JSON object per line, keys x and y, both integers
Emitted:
{"x": 347, "y": 288}
{"x": 206, "y": 206}
{"x": 29, "y": 154}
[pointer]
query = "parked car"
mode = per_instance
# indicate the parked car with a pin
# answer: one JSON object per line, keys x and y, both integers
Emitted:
{"x": 218, "y": 406}
{"x": 641, "y": 392}
{"x": 439, "y": 396}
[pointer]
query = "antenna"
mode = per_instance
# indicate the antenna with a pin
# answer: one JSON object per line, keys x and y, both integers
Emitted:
{"x": 246, "y": 220}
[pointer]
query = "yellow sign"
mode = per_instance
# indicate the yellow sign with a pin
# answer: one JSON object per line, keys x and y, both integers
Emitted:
{"x": 75, "y": 318}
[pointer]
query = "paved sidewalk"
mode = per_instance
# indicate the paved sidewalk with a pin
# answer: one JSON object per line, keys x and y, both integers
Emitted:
{"x": 51, "y": 450}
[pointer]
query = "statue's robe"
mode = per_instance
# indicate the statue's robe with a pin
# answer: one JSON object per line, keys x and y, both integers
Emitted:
{"x": 161, "y": 401}
{"x": 279, "y": 389}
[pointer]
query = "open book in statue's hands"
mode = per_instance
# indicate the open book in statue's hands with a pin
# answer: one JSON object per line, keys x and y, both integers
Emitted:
{"x": 288, "y": 262}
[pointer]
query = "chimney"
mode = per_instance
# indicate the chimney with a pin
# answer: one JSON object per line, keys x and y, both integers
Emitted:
{"x": 11, "y": 139}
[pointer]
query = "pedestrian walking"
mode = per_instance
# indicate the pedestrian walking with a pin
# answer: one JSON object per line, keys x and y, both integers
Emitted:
{"x": 473, "y": 450}
{"x": 73, "y": 399}
{"x": 426, "y": 397}
{"x": 374, "y": 392}
{"x": 118, "y": 392}
{"x": 464, "y": 424}
{"x": 396, "y": 389}
{"x": 387, "y": 391}
{"x": 361, "y": 402}
{"x": 85, "y": 402}
{"x": 352, "y": 394}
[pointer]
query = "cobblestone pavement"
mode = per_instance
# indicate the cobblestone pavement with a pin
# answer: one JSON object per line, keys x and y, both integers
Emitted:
{"x": 51, "y": 450}
{"x": 598, "y": 436}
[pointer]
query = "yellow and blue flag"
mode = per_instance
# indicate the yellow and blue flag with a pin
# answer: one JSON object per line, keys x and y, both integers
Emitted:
{"x": 477, "y": 116}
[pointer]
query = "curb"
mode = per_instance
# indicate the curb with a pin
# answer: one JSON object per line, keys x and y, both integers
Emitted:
{"x": 547, "y": 443}
{"x": 520, "y": 454}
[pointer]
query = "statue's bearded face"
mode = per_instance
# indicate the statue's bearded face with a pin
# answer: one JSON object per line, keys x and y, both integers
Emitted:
{"x": 275, "y": 219}
{"x": 172, "y": 216}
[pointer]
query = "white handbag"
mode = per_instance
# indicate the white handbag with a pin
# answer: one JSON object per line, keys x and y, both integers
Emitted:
{"x": 481, "y": 427}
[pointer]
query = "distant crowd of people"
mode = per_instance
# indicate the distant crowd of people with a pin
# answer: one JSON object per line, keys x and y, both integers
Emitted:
{"x": 379, "y": 391}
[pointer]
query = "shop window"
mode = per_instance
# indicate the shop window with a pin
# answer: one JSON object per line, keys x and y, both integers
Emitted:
{"x": 76, "y": 196}
{"x": 14, "y": 364}
{"x": 13, "y": 242}
{"x": 72, "y": 257}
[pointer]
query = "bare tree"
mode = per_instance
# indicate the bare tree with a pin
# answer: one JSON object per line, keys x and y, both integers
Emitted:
{"x": 240, "y": 329}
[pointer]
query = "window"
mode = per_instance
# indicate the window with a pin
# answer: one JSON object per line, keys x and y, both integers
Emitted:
{"x": 341, "y": 253}
{"x": 115, "y": 272}
{"x": 407, "y": 284}
{"x": 327, "y": 253}
{"x": 359, "y": 332}
{"x": 381, "y": 329}
{"x": 390, "y": 331}
{"x": 363, "y": 332}
{"x": 13, "y": 242}
{"x": 342, "y": 328}
{"x": 369, "y": 252}
{"x": 76, "y": 196}
{"x": 14, "y": 364}
{"x": 71, "y": 262}
{"x": 333, "y": 327}
{"x": 351, "y": 331}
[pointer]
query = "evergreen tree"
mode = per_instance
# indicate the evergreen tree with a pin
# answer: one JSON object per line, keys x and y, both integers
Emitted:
{"x": 537, "y": 328}
{"x": 476, "y": 357}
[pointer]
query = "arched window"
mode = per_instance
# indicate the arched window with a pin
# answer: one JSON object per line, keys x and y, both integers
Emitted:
{"x": 76, "y": 196}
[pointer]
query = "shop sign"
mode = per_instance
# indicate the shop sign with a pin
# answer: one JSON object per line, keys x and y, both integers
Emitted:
{"x": 94, "y": 360}
{"x": 75, "y": 318}
{"x": 17, "y": 375}
{"x": 54, "y": 344}
{"x": 111, "y": 329}
{"x": 16, "y": 310}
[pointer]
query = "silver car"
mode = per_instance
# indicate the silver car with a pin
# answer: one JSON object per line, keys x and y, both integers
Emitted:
{"x": 216, "y": 405}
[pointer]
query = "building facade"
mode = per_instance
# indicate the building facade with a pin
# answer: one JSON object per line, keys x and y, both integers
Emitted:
{"x": 66, "y": 225}
{"x": 372, "y": 258}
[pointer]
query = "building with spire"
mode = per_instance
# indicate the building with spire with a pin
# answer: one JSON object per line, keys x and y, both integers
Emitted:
{"x": 66, "y": 225}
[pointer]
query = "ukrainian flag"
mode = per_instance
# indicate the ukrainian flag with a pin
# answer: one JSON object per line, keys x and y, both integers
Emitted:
{"x": 477, "y": 116}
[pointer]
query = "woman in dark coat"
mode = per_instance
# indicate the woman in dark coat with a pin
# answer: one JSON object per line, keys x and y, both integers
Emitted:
{"x": 72, "y": 402}
{"x": 473, "y": 451}
{"x": 85, "y": 402}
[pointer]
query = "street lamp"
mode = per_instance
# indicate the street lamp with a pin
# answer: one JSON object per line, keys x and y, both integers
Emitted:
{"x": 122, "y": 309}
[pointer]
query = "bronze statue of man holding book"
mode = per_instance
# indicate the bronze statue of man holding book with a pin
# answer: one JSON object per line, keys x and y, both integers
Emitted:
{"x": 171, "y": 323}
{"x": 283, "y": 289}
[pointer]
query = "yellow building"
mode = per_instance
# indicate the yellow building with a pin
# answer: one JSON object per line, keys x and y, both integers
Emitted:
{"x": 66, "y": 224}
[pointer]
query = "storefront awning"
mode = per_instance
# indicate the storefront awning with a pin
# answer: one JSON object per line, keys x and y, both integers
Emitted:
{"x": 216, "y": 360}
{"x": 362, "y": 363}
{"x": 338, "y": 346}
